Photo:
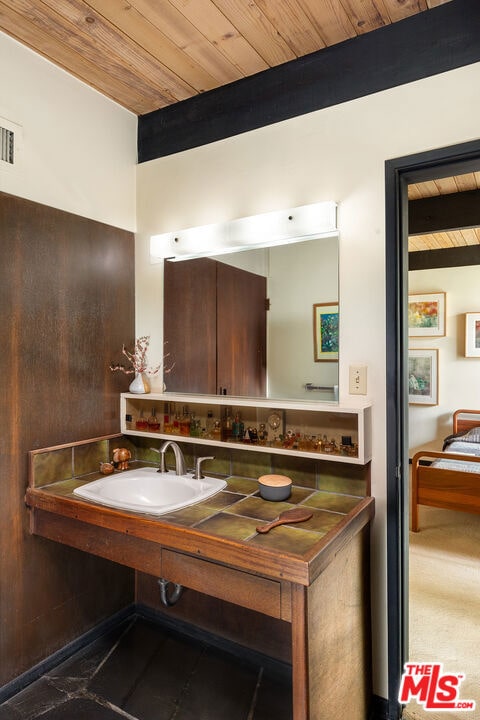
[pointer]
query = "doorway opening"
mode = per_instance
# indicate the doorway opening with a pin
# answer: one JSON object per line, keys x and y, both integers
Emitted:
{"x": 400, "y": 172}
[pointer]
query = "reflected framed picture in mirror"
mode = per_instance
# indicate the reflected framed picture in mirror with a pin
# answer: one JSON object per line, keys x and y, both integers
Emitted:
{"x": 325, "y": 332}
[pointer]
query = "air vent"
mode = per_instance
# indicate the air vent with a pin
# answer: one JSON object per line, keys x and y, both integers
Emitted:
{"x": 10, "y": 143}
{"x": 7, "y": 145}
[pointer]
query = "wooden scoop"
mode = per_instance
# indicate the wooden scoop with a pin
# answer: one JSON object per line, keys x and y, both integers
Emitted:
{"x": 293, "y": 515}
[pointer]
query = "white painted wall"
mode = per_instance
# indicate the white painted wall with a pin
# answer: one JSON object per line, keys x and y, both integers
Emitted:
{"x": 78, "y": 150}
{"x": 299, "y": 276}
{"x": 334, "y": 154}
{"x": 459, "y": 377}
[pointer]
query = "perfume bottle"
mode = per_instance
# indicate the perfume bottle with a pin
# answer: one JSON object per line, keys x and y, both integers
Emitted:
{"x": 185, "y": 421}
{"x": 217, "y": 430}
{"x": 167, "y": 425}
{"x": 227, "y": 425}
{"x": 153, "y": 423}
{"x": 195, "y": 427}
{"x": 262, "y": 434}
{"x": 209, "y": 425}
{"x": 238, "y": 428}
{"x": 176, "y": 424}
{"x": 141, "y": 423}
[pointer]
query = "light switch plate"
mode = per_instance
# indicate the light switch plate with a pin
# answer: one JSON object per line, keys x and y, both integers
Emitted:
{"x": 358, "y": 380}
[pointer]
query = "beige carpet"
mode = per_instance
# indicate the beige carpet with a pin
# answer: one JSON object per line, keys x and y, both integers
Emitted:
{"x": 444, "y": 562}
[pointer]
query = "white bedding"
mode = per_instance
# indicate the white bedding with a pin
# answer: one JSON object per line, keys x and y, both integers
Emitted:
{"x": 463, "y": 447}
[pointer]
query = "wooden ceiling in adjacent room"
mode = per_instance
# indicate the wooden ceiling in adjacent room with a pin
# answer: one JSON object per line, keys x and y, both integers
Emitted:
{"x": 449, "y": 186}
{"x": 148, "y": 54}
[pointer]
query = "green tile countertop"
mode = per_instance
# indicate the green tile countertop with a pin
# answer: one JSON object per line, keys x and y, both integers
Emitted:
{"x": 232, "y": 516}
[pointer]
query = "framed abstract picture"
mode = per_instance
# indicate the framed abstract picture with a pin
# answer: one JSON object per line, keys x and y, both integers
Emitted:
{"x": 325, "y": 331}
{"x": 423, "y": 377}
{"x": 472, "y": 334}
{"x": 426, "y": 315}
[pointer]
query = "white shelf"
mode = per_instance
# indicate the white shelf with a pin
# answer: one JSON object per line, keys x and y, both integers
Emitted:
{"x": 271, "y": 403}
{"x": 314, "y": 418}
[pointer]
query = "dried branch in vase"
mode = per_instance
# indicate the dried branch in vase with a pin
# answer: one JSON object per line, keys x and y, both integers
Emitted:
{"x": 138, "y": 359}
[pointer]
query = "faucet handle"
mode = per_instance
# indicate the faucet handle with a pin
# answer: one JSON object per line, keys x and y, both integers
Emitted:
{"x": 162, "y": 468}
{"x": 197, "y": 475}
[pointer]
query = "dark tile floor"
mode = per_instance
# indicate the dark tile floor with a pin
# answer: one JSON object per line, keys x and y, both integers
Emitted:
{"x": 143, "y": 671}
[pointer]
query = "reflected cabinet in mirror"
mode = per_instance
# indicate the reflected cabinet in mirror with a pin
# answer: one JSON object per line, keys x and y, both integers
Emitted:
{"x": 246, "y": 324}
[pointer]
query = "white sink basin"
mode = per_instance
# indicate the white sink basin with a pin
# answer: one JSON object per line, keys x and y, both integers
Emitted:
{"x": 147, "y": 491}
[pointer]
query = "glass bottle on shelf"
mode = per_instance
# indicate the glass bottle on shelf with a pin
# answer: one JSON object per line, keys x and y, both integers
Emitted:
{"x": 209, "y": 425}
{"x": 217, "y": 430}
{"x": 227, "y": 425}
{"x": 238, "y": 428}
{"x": 153, "y": 423}
{"x": 195, "y": 426}
{"x": 176, "y": 424}
{"x": 167, "y": 425}
{"x": 185, "y": 422}
{"x": 141, "y": 423}
{"x": 262, "y": 434}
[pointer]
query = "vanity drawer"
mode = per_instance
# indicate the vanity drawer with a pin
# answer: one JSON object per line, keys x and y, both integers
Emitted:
{"x": 251, "y": 591}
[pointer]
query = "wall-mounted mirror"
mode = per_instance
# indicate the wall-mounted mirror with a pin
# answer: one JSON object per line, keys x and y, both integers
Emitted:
{"x": 206, "y": 298}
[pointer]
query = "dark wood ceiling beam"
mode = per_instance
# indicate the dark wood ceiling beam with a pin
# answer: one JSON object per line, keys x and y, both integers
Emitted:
{"x": 446, "y": 258}
{"x": 441, "y": 213}
{"x": 442, "y": 39}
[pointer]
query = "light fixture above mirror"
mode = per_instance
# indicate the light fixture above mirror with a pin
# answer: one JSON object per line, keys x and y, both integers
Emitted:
{"x": 257, "y": 231}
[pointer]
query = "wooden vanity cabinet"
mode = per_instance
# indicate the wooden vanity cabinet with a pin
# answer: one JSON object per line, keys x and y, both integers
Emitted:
{"x": 323, "y": 595}
{"x": 312, "y": 582}
{"x": 215, "y": 328}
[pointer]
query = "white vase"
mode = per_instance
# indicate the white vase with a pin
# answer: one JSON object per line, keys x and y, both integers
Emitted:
{"x": 140, "y": 385}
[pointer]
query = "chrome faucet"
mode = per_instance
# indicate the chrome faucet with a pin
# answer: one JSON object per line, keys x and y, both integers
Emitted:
{"x": 180, "y": 467}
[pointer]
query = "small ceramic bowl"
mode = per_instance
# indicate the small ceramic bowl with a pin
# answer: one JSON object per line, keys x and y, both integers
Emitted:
{"x": 275, "y": 487}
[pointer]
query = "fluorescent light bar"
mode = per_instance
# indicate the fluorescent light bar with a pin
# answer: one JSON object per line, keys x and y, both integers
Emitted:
{"x": 257, "y": 231}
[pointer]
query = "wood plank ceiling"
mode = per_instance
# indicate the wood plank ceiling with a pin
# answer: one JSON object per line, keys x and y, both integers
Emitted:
{"x": 435, "y": 188}
{"x": 148, "y": 54}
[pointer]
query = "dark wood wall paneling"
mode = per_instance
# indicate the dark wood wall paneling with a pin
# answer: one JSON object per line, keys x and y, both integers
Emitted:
{"x": 425, "y": 44}
{"x": 67, "y": 305}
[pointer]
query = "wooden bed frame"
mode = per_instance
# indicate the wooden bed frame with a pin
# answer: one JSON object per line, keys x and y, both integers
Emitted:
{"x": 441, "y": 488}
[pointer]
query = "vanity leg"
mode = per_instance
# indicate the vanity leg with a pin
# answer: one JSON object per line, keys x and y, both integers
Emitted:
{"x": 300, "y": 672}
{"x": 331, "y": 651}
{"x": 338, "y": 626}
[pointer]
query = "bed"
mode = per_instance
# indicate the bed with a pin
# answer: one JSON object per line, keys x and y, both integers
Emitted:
{"x": 449, "y": 479}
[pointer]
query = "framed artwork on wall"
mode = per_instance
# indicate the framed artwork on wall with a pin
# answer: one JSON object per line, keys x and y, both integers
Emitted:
{"x": 423, "y": 377}
{"x": 325, "y": 332}
{"x": 426, "y": 315}
{"x": 472, "y": 334}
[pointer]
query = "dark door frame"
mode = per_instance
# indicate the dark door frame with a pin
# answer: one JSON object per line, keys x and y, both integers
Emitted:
{"x": 399, "y": 173}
